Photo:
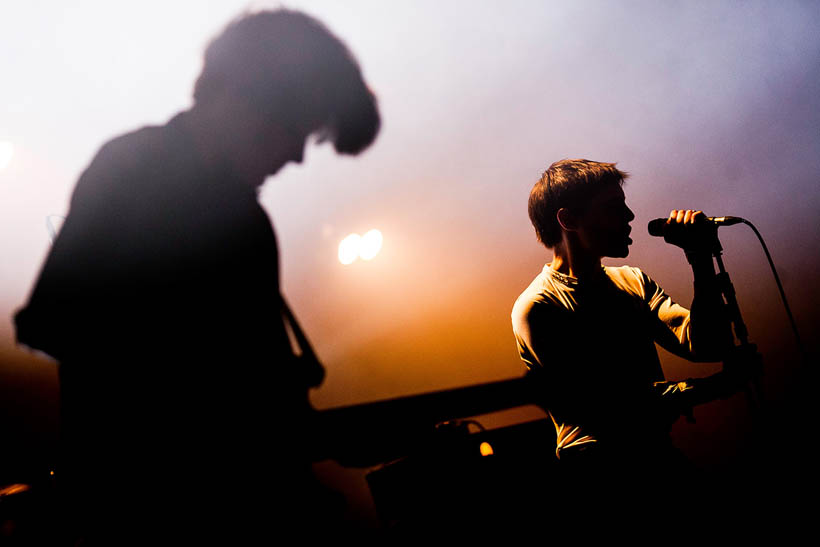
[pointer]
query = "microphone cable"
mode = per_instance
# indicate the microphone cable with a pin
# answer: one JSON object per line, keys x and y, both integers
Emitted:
{"x": 779, "y": 287}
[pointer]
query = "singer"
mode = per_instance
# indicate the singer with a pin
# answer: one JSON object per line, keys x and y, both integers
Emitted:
{"x": 589, "y": 333}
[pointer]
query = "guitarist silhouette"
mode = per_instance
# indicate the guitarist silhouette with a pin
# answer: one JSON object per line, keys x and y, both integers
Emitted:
{"x": 184, "y": 409}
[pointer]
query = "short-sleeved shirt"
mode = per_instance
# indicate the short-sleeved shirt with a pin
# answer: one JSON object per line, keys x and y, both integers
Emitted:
{"x": 593, "y": 343}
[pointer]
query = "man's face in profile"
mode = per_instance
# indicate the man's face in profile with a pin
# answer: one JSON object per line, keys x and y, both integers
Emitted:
{"x": 278, "y": 146}
{"x": 603, "y": 227}
{"x": 261, "y": 147}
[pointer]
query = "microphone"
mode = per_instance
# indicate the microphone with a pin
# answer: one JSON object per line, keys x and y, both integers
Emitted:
{"x": 659, "y": 226}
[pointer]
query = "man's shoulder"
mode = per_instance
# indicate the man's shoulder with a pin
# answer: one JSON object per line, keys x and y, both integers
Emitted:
{"x": 127, "y": 165}
{"x": 539, "y": 293}
{"x": 625, "y": 274}
{"x": 130, "y": 148}
{"x": 631, "y": 280}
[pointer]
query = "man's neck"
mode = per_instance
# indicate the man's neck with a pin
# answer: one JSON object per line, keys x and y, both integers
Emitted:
{"x": 220, "y": 145}
{"x": 205, "y": 137}
{"x": 575, "y": 265}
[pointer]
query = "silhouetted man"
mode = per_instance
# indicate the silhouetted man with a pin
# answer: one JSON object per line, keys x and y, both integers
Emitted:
{"x": 589, "y": 333}
{"x": 182, "y": 402}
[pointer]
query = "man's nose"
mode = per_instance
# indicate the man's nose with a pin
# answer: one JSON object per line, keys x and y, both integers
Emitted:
{"x": 630, "y": 216}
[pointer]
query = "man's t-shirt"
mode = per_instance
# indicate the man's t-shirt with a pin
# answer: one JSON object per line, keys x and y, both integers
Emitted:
{"x": 160, "y": 299}
{"x": 592, "y": 342}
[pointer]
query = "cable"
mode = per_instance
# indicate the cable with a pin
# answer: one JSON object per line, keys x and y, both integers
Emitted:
{"x": 52, "y": 229}
{"x": 779, "y": 287}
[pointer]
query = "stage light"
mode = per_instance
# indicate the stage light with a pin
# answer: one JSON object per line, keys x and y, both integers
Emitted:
{"x": 371, "y": 244}
{"x": 349, "y": 249}
{"x": 365, "y": 247}
{"x": 6, "y": 153}
{"x": 486, "y": 449}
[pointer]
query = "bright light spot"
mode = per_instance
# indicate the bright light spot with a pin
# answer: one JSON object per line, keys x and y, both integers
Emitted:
{"x": 365, "y": 247}
{"x": 349, "y": 249}
{"x": 6, "y": 152}
{"x": 371, "y": 244}
{"x": 486, "y": 449}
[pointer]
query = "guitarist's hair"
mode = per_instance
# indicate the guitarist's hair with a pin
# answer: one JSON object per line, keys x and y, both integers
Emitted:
{"x": 288, "y": 66}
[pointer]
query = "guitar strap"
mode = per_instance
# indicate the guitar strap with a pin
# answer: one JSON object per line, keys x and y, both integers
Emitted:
{"x": 311, "y": 368}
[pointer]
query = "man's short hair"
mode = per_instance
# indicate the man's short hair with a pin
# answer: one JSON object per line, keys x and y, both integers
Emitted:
{"x": 567, "y": 184}
{"x": 289, "y": 67}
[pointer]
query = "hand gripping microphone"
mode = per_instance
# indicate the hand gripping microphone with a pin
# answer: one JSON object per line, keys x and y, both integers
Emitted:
{"x": 659, "y": 226}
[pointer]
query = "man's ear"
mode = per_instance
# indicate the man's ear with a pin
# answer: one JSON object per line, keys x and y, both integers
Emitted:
{"x": 567, "y": 220}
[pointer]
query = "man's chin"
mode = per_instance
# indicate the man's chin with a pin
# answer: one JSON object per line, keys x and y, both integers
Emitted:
{"x": 621, "y": 252}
